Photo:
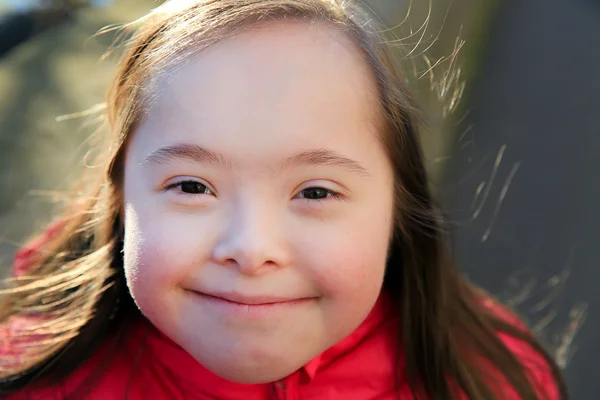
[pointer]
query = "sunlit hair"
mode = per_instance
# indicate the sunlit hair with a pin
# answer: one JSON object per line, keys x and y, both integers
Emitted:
{"x": 449, "y": 329}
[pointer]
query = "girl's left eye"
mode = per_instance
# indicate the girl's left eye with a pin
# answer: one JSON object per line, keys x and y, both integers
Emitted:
{"x": 317, "y": 193}
{"x": 190, "y": 188}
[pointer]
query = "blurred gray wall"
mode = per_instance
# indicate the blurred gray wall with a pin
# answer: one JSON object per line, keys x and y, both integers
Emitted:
{"x": 531, "y": 145}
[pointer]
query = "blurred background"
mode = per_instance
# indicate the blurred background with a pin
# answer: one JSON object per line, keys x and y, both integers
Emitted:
{"x": 515, "y": 161}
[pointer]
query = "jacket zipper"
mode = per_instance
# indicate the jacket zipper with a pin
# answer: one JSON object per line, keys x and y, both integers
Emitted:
{"x": 280, "y": 390}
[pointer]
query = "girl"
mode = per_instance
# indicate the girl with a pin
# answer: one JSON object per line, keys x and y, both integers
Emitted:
{"x": 264, "y": 230}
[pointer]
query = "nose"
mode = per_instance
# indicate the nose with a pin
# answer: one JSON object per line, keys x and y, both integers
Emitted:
{"x": 252, "y": 241}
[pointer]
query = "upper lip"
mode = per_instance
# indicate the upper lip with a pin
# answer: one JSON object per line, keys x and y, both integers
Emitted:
{"x": 248, "y": 299}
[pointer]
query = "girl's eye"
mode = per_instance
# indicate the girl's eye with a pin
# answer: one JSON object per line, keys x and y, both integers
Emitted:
{"x": 317, "y": 193}
{"x": 190, "y": 187}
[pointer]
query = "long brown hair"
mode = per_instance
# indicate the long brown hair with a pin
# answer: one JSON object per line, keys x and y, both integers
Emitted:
{"x": 449, "y": 333}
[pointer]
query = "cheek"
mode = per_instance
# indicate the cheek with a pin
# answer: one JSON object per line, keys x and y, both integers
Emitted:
{"x": 348, "y": 269}
{"x": 353, "y": 270}
{"x": 350, "y": 263}
{"x": 159, "y": 253}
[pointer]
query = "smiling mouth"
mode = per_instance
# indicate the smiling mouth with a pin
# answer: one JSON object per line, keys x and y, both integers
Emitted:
{"x": 244, "y": 308}
{"x": 254, "y": 301}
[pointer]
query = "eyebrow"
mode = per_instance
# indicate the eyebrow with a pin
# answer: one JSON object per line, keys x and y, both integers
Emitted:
{"x": 189, "y": 152}
{"x": 195, "y": 153}
{"x": 325, "y": 157}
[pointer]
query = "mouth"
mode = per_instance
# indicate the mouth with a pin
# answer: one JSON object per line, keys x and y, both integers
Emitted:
{"x": 252, "y": 300}
{"x": 236, "y": 305}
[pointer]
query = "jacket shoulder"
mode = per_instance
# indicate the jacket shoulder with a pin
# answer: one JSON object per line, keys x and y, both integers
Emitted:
{"x": 539, "y": 369}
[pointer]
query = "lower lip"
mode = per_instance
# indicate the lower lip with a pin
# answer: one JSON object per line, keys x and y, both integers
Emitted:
{"x": 230, "y": 308}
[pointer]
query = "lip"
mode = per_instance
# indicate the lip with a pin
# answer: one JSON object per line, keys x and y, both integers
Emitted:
{"x": 237, "y": 305}
{"x": 251, "y": 300}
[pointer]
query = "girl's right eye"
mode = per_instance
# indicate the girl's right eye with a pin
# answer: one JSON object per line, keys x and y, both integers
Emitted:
{"x": 190, "y": 188}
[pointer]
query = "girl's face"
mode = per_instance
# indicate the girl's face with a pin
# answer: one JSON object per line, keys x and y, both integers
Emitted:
{"x": 258, "y": 201}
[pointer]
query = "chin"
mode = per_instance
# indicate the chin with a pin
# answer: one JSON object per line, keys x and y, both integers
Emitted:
{"x": 253, "y": 368}
{"x": 250, "y": 376}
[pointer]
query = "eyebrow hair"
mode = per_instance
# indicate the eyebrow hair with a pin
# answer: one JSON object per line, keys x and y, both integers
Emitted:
{"x": 325, "y": 157}
{"x": 195, "y": 153}
{"x": 190, "y": 152}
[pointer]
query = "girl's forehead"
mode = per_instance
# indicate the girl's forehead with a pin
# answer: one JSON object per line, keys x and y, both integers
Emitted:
{"x": 281, "y": 81}
{"x": 272, "y": 53}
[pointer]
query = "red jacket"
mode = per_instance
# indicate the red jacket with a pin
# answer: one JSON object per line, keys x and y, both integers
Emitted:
{"x": 148, "y": 365}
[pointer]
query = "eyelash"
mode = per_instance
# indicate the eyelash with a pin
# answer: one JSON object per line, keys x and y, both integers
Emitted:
{"x": 330, "y": 194}
{"x": 178, "y": 185}
{"x": 180, "y": 192}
